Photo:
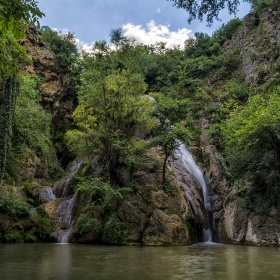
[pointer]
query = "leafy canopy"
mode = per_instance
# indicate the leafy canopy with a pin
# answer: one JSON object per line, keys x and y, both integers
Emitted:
{"x": 111, "y": 111}
{"x": 253, "y": 147}
{"x": 169, "y": 132}
{"x": 209, "y": 8}
{"x": 14, "y": 16}
{"x": 63, "y": 47}
{"x": 197, "y": 9}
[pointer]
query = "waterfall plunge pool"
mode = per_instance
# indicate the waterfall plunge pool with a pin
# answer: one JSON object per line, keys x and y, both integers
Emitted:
{"x": 200, "y": 261}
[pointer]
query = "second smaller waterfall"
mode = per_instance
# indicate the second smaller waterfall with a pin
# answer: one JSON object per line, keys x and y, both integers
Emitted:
{"x": 194, "y": 169}
{"x": 65, "y": 211}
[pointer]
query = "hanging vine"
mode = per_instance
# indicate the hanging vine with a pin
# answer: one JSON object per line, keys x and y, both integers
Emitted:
{"x": 10, "y": 92}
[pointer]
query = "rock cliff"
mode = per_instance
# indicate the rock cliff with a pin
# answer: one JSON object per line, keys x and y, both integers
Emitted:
{"x": 146, "y": 215}
{"x": 258, "y": 44}
{"x": 59, "y": 95}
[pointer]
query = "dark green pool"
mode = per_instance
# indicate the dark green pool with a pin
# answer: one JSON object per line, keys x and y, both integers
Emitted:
{"x": 54, "y": 261}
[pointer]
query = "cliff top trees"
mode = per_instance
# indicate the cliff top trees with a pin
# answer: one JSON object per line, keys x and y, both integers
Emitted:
{"x": 13, "y": 17}
{"x": 111, "y": 111}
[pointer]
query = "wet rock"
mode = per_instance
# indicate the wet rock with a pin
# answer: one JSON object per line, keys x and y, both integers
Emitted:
{"x": 43, "y": 195}
{"x": 193, "y": 192}
{"x": 63, "y": 187}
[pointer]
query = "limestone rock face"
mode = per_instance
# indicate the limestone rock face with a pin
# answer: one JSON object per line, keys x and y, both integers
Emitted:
{"x": 266, "y": 234}
{"x": 231, "y": 221}
{"x": 148, "y": 215}
{"x": 152, "y": 216}
{"x": 237, "y": 227}
{"x": 43, "y": 195}
{"x": 33, "y": 168}
{"x": 258, "y": 43}
{"x": 193, "y": 193}
{"x": 217, "y": 180}
{"x": 165, "y": 229}
{"x": 57, "y": 92}
{"x": 235, "y": 220}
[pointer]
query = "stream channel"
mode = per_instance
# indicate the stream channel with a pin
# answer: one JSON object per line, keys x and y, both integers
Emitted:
{"x": 200, "y": 261}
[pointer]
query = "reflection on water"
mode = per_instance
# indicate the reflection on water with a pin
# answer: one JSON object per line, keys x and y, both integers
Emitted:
{"x": 70, "y": 261}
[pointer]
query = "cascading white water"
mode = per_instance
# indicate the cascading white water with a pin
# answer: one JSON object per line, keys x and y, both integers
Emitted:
{"x": 65, "y": 209}
{"x": 67, "y": 183}
{"x": 193, "y": 168}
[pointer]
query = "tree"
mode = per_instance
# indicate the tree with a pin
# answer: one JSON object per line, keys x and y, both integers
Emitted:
{"x": 253, "y": 147}
{"x": 111, "y": 111}
{"x": 14, "y": 16}
{"x": 63, "y": 47}
{"x": 169, "y": 133}
{"x": 116, "y": 36}
{"x": 211, "y": 8}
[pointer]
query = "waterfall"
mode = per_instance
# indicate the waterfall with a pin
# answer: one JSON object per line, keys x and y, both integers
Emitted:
{"x": 73, "y": 171}
{"x": 65, "y": 209}
{"x": 60, "y": 200}
{"x": 194, "y": 169}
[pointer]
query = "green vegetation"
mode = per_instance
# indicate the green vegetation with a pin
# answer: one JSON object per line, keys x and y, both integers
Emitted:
{"x": 31, "y": 135}
{"x": 14, "y": 208}
{"x": 253, "y": 147}
{"x": 211, "y": 8}
{"x": 130, "y": 98}
{"x": 63, "y": 47}
{"x": 21, "y": 222}
{"x": 201, "y": 81}
{"x": 106, "y": 198}
{"x": 169, "y": 133}
{"x": 111, "y": 110}
{"x": 13, "y": 18}
{"x": 11, "y": 91}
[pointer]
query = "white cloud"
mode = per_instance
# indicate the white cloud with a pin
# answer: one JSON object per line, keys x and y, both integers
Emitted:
{"x": 158, "y": 10}
{"x": 82, "y": 46}
{"x": 156, "y": 33}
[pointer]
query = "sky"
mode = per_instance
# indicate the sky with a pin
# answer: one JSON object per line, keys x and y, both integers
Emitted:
{"x": 148, "y": 21}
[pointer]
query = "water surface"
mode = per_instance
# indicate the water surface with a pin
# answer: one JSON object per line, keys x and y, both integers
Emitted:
{"x": 72, "y": 261}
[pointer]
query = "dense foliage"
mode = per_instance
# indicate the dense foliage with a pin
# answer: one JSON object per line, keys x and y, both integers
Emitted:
{"x": 63, "y": 46}
{"x": 13, "y": 18}
{"x": 211, "y": 8}
{"x": 253, "y": 148}
{"x": 11, "y": 92}
{"x": 132, "y": 97}
{"x": 31, "y": 134}
{"x": 208, "y": 8}
{"x": 111, "y": 110}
